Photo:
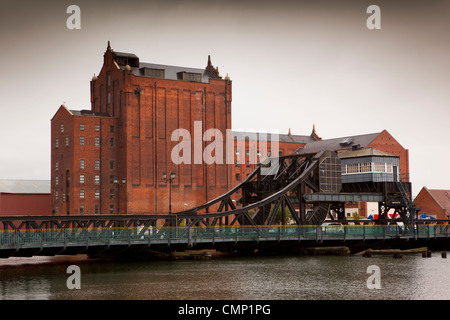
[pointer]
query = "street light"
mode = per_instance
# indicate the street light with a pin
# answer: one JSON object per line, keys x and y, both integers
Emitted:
{"x": 170, "y": 179}
{"x": 118, "y": 184}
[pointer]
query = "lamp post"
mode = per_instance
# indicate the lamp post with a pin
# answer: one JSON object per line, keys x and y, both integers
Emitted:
{"x": 170, "y": 179}
{"x": 118, "y": 184}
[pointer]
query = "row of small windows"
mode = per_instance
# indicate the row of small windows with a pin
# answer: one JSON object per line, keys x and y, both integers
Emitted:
{"x": 83, "y": 142}
{"x": 112, "y": 165}
{"x": 82, "y": 194}
{"x": 258, "y": 153}
{"x": 82, "y": 127}
{"x": 367, "y": 167}
{"x": 96, "y": 209}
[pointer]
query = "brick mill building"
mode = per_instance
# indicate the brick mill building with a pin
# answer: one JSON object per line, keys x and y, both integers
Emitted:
{"x": 117, "y": 156}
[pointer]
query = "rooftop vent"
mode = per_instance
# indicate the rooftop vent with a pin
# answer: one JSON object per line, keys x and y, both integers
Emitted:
{"x": 346, "y": 142}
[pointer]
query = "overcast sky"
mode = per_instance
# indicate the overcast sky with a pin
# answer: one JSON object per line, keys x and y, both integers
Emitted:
{"x": 293, "y": 64}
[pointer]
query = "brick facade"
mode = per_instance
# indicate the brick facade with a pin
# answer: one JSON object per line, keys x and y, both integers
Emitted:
{"x": 435, "y": 203}
{"x": 111, "y": 158}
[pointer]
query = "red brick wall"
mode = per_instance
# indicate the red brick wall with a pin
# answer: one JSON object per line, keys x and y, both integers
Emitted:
{"x": 149, "y": 110}
{"x": 25, "y": 204}
{"x": 427, "y": 204}
{"x": 66, "y": 166}
{"x": 385, "y": 142}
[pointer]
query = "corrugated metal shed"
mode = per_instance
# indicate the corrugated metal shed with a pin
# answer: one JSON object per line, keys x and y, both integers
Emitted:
{"x": 25, "y": 186}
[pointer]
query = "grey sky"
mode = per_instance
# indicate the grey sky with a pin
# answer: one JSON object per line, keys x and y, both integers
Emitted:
{"x": 293, "y": 64}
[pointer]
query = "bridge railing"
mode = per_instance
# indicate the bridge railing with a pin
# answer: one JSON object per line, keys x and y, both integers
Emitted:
{"x": 217, "y": 233}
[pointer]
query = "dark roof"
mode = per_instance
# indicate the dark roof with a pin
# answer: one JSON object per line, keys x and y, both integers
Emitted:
{"x": 125, "y": 54}
{"x": 170, "y": 72}
{"x": 89, "y": 113}
{"x": 241, "y": 135}
{"x": 338, "y": 143}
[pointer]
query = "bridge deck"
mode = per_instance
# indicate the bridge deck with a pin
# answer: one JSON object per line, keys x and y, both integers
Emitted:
{"x": 96, "y": 240}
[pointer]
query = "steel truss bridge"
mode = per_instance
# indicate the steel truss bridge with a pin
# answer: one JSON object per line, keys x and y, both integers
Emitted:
{"x": 303, "y": 190}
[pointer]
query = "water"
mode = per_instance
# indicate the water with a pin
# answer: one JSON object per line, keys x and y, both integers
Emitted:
{"x": 248, "y": 278}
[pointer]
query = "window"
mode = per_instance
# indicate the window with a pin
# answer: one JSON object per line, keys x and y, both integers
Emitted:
{"x": 82, "y": 209}
{"x": 389, "y": 167}
{"x": 97, "y": 164}
{"x": 366, "y": 167}
{"x": 352, "y": 168}
{"x": 111, "y": 179}
{"x": 111, "y": 193}
{"x": 248, "y": 164}
{"x": 109, "y": 79}
{"x": 56, "y": 143}
{"x": 238, "y": 177}
{"x": 96, "y": 209}
{"x": 81, "y": 178}
{"x": 379, "y": 167}
{"x": 109, "y": 97}
{"x": 237, "y": 164}
{"x": 81, "y": 126}
{"x": 97, "y": 179}
{"x": 111, "y": 208}
{"x": 56, "y": 195}
{"x": 111, "y": 142}
{"x": 56, "y": 210}
{"x": 62, "y": 127}
{"x": 190, "y": 76}
{"x": 112, "y": 164}
{"x": 81, "y": 141}
{"x": 154, "y": 73}
{"x": 56, "y": 180}
{"x": 56, "y": 166}
{"x": 81, "y": 193}
{"x": 97, "y": 127}
{"x": 111, "y": 128}
{"x": 97, "y": 194}
{"x": 81, "y": 164}
{"x": 67, "y": 141}
{"x": 97, "y": 141}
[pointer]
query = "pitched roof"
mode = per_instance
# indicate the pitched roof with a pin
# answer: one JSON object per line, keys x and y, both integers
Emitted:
{"x": 344, "y": 143}
{"x": 89, "y": 113}
{"x": 24, "y": 186}
{"x": 170, "y": 72}
{"x": 241, "y": 135}
{"x": 442, "y": 198}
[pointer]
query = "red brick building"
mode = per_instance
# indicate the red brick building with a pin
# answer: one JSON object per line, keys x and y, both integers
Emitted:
{"x": 434, "y": 203}
{"x": 25, "y": 198}
{"x": 126, "y": 138}
{"x": 113, "y": 157}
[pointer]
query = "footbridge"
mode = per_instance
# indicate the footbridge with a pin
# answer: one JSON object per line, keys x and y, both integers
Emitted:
{"x": 295, "y": 201}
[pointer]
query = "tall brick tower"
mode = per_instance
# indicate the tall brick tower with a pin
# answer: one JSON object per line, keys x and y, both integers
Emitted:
{"x": 112, "y": 158}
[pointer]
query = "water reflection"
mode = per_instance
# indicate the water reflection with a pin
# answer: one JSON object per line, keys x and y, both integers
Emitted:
{"x": 278, "y": 278}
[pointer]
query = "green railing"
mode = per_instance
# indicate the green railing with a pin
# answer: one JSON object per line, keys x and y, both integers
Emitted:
{"x": 222, "y": 233}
